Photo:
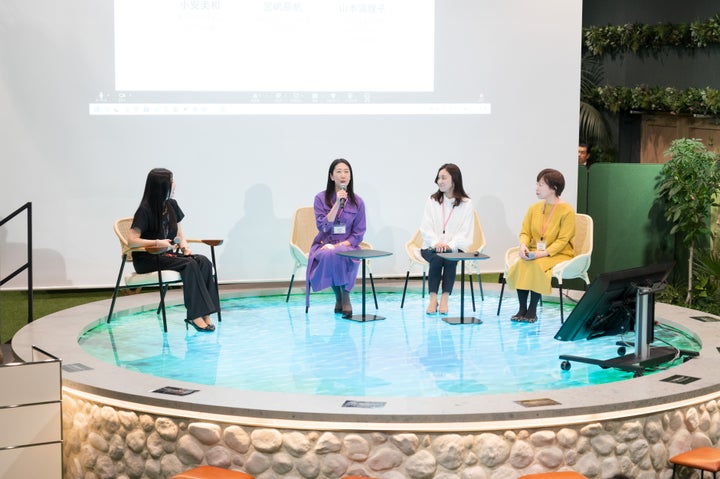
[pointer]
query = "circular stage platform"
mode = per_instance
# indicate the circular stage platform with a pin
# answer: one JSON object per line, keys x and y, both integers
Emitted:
{"x": 230, "y": 428}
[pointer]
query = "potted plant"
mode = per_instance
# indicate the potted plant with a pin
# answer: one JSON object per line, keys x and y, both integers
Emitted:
{"x": 688, "y": 186}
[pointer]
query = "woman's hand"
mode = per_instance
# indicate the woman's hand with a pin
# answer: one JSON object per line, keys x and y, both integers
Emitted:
{"x": 442, "y": 248}
{"x": 333, "y": 246}
{"x": 524, "y": 252}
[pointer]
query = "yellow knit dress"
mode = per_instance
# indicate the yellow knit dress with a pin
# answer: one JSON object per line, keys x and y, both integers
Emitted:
{"x": 558, "y": 223}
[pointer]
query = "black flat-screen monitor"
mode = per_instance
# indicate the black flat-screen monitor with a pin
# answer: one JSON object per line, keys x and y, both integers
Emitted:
{"x": 608, "y": 306}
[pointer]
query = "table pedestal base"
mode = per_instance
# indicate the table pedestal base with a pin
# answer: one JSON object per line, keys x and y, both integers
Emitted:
{"x": 462, "y": 320}
{"x": 365, "y": 317}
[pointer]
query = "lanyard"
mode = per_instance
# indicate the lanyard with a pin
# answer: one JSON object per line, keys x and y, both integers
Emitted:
{"x": 446, "y": 220}
{"x": 547, "y": 221}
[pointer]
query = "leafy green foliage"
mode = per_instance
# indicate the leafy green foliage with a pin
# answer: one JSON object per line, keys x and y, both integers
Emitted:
{"x": 706, "y": 287}
{"x": 639, "y": 38}
{"x": 593, "y": 126}
{"x": 688, "y": 186}
{"x": 696, "y": 101}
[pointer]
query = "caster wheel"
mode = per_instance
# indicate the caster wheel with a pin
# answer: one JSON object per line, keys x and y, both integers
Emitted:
{"x": 621, "y": 351}
{"x": 565, "y": 365}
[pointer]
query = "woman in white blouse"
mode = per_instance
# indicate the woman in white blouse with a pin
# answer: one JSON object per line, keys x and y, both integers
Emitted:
{"x": 447, "y": 226}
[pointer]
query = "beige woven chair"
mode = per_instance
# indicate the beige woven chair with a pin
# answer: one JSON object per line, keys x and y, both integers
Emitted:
{"x": 302, "y": 233}
{"x": 413, "y": 247}
{"x": 577, "y": 267}
{"x": 161, "y": 278}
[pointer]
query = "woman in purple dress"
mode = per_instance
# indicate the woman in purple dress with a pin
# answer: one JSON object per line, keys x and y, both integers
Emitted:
{"x": 340, "y": 219}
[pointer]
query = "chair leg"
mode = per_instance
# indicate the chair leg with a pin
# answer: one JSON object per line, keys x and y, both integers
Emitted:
{"x": 215, "y": 277}
{"x": 407, "y": 276}
{"x": 423, "y": 289}
{"x": 482, "y": 293}
{"x": 307, "y": 295}
{"x": 292, "y": 278}
{"x": 472, "y": 292}
{"x": 372, "y": 284}
{"x": 562, "y": 315}
{"x": 502, "y": 290}
{"x": 117, "y": 287}
{"x": 163, "y": 289}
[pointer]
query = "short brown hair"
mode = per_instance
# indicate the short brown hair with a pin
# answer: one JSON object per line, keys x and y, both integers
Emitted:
{"x": 553, "y": 178}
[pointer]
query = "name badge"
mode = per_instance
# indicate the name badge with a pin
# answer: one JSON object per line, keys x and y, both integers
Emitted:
{"x": 339, "y": 228}
{"x": 541, "y": 246}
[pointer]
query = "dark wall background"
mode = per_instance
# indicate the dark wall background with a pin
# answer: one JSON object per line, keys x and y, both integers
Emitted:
{"x": 671, "y": 67}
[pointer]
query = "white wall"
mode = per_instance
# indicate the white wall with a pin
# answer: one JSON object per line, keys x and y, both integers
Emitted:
{"x": 240, "y": 177}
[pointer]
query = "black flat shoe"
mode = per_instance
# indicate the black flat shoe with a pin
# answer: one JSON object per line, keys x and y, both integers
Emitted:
{"x": 207, "y": 328}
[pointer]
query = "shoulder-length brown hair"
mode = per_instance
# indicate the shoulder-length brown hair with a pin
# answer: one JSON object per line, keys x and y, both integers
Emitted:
{"x": 458, "y": 189}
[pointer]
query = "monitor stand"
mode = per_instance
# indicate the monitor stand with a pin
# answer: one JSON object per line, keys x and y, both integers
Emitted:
{"x": 645, "y": 355}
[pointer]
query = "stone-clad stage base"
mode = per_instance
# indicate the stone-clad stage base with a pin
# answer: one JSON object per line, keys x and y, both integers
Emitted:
{"x": 628, "y": 427}
{"x": 109, "y": 442}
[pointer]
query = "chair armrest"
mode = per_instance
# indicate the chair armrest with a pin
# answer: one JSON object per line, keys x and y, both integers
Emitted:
{"x": 300, "y": 257}
{"x": 576, "y": 267}
{"x": 147, "y": 249}
{"x": 511, "y": 257}
{"x": 209, "y": 242}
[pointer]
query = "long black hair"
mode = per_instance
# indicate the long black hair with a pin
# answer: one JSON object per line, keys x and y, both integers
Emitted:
{"x": 158, "y": 188}
{"x": 458, "y": 190}
{"x": 330, "y": 188}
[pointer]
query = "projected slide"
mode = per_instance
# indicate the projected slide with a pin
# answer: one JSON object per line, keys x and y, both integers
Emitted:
{"x": 260, "y": 46}
{"x": 263, "y": 57}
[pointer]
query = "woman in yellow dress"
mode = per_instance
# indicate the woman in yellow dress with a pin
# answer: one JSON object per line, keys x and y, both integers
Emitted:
{"x": 546, "y": 239}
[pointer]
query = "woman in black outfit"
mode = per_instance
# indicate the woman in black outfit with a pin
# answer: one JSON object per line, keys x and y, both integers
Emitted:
{"x": 156, "y": 224}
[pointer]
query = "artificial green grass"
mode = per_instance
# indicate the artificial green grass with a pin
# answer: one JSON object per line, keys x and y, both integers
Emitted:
{"x": 14, "y": 306}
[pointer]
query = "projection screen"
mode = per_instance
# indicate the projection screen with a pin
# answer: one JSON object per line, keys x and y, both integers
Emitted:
{"x": 249, "y": 101}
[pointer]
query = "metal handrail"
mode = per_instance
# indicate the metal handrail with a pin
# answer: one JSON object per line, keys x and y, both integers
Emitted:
{"x": 28, "y": 265}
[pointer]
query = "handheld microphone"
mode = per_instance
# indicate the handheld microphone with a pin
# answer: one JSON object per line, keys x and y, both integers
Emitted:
{"x": 342, "y": 200}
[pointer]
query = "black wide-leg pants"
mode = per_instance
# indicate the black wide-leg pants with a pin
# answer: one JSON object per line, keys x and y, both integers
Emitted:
{"x": 199, "y": 291}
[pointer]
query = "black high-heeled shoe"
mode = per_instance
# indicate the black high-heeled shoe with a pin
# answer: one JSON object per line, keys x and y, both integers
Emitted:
{"x": 207, "y": 328}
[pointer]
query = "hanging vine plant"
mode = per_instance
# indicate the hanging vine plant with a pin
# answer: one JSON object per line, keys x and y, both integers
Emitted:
{"x": 641, "y": 38}
{"x": 691, "y": 101}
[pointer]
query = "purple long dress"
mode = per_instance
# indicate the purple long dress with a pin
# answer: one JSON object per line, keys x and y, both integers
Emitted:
{"x": 325, "y": 267}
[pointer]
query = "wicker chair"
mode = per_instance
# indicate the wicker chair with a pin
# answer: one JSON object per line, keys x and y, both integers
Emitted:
{"x": 161, "y": 278}
{"x": 576, "y": 267}
{"x": 412, "y": 248}
{"x": 303, "y": 232}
